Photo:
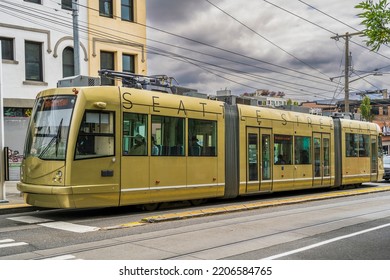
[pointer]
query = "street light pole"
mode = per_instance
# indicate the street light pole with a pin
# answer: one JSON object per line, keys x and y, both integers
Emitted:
{"x": 2, "y": 161}
{"x": 76, "y": 40}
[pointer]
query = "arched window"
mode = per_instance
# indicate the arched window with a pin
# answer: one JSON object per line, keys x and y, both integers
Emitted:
{"x": 68, "y": 62}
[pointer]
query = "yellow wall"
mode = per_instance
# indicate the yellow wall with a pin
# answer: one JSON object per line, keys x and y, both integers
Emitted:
{"x": 118, "y": 36}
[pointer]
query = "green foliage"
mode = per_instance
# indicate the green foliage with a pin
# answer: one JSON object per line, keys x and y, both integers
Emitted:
{"x": 376, "y": 18}
{"x": 365, "y": 109}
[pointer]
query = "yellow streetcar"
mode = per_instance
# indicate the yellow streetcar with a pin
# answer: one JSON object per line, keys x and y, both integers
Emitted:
{"x": 104, "y": 146}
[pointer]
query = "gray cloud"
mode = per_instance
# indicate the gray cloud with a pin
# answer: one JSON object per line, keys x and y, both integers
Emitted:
{"x": 275, "y": 50}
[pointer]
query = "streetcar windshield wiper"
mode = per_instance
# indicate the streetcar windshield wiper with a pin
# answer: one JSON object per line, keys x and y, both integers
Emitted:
{"x": 56, "y": 139}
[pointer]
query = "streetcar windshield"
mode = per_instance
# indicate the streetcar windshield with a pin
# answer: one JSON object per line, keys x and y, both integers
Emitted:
{"x": 47, "y": 135}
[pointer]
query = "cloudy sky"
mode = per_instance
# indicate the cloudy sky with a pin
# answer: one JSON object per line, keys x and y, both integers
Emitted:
{"x": 279, "y": 45}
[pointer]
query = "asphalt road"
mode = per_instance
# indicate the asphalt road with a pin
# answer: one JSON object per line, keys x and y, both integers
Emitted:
{"x": 344, "y": 228}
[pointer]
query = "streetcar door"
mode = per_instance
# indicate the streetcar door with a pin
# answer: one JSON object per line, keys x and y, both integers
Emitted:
{"x": 253, "y": 163}
{"x": 259, "y": 160}
{"x": 95, "y": 171}
{"x": 266, "y": 160}
{"x": 321, "y": 162}
{"x": 374, "y": 159}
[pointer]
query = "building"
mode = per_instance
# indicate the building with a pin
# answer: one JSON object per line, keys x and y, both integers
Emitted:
{"x": 117, "y": 37}
{"x": 37, "y": 51}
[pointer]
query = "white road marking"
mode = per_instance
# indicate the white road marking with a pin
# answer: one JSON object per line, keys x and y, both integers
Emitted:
{"x": 325, "y": 242}
{"x": 52, "y": 224}
{"x": 6, "y": 240}
{"x": 69, "y": 227}
{"x": 64, "y": 257}
{"x": 11, "y": 243}
{"x": 29, "y": 219}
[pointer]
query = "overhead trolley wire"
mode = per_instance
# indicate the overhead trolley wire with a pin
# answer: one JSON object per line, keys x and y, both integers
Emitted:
{"x": 263, "y": 37}
{"x": 101, "y": 34}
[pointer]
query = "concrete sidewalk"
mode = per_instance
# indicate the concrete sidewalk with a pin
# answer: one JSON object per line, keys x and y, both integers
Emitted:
{"x": 13, "y": 197}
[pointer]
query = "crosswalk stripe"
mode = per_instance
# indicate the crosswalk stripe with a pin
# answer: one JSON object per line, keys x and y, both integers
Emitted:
{"x": 11, "y": 243}
{"x": 29, "y": 219}
{"x": 6, "y": 240}
{"x": 52, "y": 224}
{"x": 70, "y": 227}
{"x": 64, "y": 257}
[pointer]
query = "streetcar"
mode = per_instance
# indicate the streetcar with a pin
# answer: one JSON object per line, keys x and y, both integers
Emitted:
{"x": 107, "y": 146}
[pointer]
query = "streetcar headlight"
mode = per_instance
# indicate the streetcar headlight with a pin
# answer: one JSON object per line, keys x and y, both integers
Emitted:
{"x": 58, "y": 177}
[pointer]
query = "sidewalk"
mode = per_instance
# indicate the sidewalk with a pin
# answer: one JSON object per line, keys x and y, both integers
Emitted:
{"x": 13, "y": 198}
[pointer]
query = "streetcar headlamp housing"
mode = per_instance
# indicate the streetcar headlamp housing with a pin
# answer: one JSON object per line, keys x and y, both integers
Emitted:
{"x": 58, "y": 177}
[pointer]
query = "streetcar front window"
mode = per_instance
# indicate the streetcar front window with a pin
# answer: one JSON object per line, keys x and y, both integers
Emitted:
{"x": 47, "y": 135}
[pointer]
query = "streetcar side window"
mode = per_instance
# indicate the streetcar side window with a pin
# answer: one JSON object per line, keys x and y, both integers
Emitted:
{"x": 364, "y": 145}
{"x": 96, "y": 135}
{"x": 135, "y": 127}
{"x": 167, "y": 136}
{"x": 202, "y": 137}
{"x": 283, "y": 149}
{"x": 357, "y": 145}
{"x": 302, "y": 150}
{"x": 351, "y": 145}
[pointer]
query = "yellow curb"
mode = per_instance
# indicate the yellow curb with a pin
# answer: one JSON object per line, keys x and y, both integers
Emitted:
{"x": 127, "y": 225}
{"x": 10, "y": 206}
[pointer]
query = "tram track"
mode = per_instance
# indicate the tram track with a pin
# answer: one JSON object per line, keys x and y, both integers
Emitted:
{"x": 147, "y": 238}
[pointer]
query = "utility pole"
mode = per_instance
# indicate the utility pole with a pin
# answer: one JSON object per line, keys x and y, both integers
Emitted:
{"x": 347, "y": 65}
{"x": 76, "y": 40}
{"x": 2, "y": 161}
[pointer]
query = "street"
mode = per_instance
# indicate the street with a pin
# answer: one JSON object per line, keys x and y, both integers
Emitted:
{"x": 346, "y": 228}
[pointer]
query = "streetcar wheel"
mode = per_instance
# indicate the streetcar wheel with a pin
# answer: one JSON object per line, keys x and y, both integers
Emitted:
{"x": 196, "y": 202}
{"x": 150, "y": 206}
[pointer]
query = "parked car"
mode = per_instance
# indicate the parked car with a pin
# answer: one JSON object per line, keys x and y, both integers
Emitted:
{"x": 386, "y": 165}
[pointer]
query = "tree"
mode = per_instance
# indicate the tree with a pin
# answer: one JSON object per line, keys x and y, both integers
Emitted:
{"x": 365, "y": 109}
{"x": 376, "y": 19}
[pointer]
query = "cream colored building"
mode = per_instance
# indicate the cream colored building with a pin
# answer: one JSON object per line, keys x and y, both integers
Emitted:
{"x": 117, "y": 36}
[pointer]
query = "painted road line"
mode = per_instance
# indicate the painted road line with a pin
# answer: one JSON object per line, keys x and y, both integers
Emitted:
{"x": 10, "y": 243}
{"x": 29, "y": 219}
{"x": 6, "y": 240}
{"x": 278, "y": 256}
{"x": 63, "y": 258}
{"x": 69, "y": 227}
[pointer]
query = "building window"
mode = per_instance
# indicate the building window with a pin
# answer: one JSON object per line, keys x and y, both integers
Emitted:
{"x": 105, "y": 8}
{"x": 7, "y": 48}
{"x": 128, "y": 63}
{"x": 68, "y": 62}
{"x": 107, "y": 62}
{"x": 33, "y": 1}
{"x": 33, "y": 55}
{"x": 127, "y": 10}
{"x": 66, "y": 4}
